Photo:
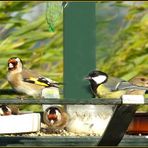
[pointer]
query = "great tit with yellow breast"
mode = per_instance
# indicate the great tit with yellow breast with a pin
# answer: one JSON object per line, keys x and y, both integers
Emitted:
{"x": 26, "y": 81}
{"x": 104, "y": 86}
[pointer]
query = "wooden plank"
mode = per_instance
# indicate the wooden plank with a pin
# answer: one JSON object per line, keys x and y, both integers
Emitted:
{"x": 118, "y": 125}
{"x": 48, "y": 141}
{"x": 134, "y": 140}
{"x": 61, "y": 101}
{"x": 68, "y": 141}
{"x": 70, "y": 101}
{"x": 7, "y": 92}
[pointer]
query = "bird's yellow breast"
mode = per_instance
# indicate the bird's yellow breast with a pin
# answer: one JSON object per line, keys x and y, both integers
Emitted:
{"x": 104, "y": 92}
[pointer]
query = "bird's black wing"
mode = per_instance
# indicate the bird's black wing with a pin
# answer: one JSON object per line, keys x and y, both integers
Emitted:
{"x": 32, "y": 77}
{"x": 42, "y": 81}
{"x": 115, "y": 84}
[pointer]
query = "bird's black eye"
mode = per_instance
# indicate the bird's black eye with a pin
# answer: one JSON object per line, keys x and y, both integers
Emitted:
{"x": 142, "y": 79}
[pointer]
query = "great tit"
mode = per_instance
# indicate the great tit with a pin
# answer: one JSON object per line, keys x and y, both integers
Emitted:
{"x": 104, "y": 86}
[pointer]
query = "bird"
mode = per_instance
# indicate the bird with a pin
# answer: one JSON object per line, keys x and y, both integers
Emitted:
{"x": 15, "y": 109}
{"x": 93, "y": 119}
{"x": 26, "y": 81}
{"x": 104, "y": 86}
{"x": 55, "y": 117}
{"x": 5, "y": 110}
{"x": 139, "y": 81}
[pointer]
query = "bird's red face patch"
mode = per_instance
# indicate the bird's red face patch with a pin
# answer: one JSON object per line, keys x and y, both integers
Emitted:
{"x": 7, "y": 113}
{"x": 52, "y": 117}
{"x": 12, "y": 63}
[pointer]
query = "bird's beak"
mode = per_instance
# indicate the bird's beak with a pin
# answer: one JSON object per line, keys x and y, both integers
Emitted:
{"x": 87, "y": 78}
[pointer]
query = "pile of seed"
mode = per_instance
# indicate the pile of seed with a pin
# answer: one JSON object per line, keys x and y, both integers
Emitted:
{"x": 45, "y": 131}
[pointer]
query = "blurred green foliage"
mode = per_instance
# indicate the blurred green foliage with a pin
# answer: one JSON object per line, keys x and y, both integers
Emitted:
{"x": 122, "y": 38}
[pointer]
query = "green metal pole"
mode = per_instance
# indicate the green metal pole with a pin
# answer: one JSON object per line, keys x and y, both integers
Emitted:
{"x": 79, "y": 48}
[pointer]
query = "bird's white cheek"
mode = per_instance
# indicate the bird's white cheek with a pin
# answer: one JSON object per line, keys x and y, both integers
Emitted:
{"x": 58, "y": 115}
{"x": 11, "y": 65}
{"x": 99, "y": 79}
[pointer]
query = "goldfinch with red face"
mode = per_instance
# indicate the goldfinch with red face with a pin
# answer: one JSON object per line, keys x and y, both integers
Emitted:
{"x": 26, "y": 81}
{"x": 5, "y": 110}
{"x": 55, "y": 117}
{"x": 139, "y": 81}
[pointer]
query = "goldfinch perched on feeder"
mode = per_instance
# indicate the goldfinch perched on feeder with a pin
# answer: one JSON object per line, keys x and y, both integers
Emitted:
{"x": 26, "y": 81}
{"x": 5, "y": 110}
{"x": 55, "y": 117}
{"x": 139, "y": 81}
{"x": 104, "y": 86}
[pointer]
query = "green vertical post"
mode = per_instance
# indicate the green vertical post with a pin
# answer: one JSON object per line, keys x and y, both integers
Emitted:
{"x": 79, "y": 48}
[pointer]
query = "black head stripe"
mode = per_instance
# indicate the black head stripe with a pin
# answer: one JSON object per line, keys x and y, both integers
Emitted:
{"x": 96, "y": 73}
{"x": 52, "y": 109}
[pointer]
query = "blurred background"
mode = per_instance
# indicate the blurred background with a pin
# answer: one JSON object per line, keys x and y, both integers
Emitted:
{"x": 33, "y": 31}
{"x": 122, "y": 38}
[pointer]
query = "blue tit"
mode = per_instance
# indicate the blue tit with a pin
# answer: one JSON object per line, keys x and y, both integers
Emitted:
{"x": 26, "y": 81}
{"x": 104, "y": 86}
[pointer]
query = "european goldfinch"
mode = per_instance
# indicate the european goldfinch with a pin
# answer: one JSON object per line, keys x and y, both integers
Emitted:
{"x": 55, "y": 117}
{"x": 139, "y": 81}
{"x": 5, "y": 110}
{"x": 26, "y": 81}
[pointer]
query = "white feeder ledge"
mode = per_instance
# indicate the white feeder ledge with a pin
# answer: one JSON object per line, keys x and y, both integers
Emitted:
{"x": 133, "y": 99}
{"x": 23, "y": 123}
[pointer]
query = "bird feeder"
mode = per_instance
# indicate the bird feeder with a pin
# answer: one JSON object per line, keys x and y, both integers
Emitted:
{"x": 79, "y": 59}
